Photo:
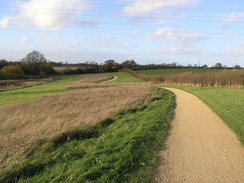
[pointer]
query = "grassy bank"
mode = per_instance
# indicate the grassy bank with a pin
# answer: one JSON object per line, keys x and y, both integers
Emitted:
{"x": 226, "y": 102}
{"x": 122, "y": 148}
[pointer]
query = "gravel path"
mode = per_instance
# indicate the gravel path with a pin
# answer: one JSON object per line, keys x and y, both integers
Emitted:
{"x": 200, "y": 147}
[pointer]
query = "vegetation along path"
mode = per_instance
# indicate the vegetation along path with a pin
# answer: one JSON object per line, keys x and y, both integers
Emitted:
{"x": 200, "y": 147}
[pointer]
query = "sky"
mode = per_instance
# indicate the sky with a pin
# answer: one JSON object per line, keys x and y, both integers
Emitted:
{"x": 147, "y": 31}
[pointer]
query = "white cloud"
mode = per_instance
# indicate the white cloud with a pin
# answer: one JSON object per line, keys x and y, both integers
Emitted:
{"x": 74, "y": 45}
{"x": 144, "y": 7}
{"x": 48, "y": 15}
{"x": 236, "y": 52}
{"x": 125, "y": 44}
{"x": 171, "y": 15}
{"x": 94, "y": 23}
{"x": 24, "y": 40}
{"x": 180, "y": 50}
{"x": 181, "y": 36}
{"x": 4, "y": 23}
{"x": 49, "y": 40}
{"x": 165, "y": 51}
{"x": 230, "y": 18}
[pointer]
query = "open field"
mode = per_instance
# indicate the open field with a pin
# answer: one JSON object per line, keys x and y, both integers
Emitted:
{"x": 125, "y": 78}
{"x": 89, "y": 81}
{"x": 31, "y": 93}
{"x": 51, "y": 115}
{"x": 166, "y": 72}
{"x": 35, "y": 92}
{"x": 78, "y": 139}
{"x": 84, "y": 149}
{"x": 226, "y": 102}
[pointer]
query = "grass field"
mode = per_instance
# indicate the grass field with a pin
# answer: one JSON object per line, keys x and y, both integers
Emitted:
{"x": 35, "y": 92}
{"x": 122, "y": 148}
{"x": 226, "y": 102}
{"x": 166, "y": 72}
{"x": 71, "y": 136}
{"x": 125, "y": 78}
{"x": 51, "y": 115}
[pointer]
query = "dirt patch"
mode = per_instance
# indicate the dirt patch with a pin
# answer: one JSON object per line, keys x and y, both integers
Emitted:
{"x": 200, "y": 147}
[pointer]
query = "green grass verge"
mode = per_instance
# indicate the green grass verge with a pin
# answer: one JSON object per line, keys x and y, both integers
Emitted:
{"x": 123, "y": 148}
{"x": 166, "y": 72}
{"x": 35, "y": 92}
{"x": 227, "y": 103}
{"x": 125, "y": 78}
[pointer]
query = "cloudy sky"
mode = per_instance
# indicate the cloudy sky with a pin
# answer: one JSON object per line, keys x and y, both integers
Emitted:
{"x": 148, "y": 31}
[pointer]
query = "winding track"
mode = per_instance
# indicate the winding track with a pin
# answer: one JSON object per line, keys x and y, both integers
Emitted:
{"x": 114, "y": 78}
{"x": 200, "y": 147}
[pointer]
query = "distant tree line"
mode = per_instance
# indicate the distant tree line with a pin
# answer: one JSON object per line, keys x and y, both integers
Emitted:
{"x": 35, "y": 64}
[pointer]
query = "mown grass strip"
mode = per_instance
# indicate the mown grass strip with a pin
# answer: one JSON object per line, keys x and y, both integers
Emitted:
{"x": 125, "y": 78}
{"x": 227, "y": 103}
{"x": 123, "y": 148}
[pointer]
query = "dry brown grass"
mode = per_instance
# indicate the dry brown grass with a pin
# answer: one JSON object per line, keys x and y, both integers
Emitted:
{"x": 25, "y": 124}
{"x": 14, "y": 84}
{"x": 90, "y": 81}
{"x": 226, "y": 78}
{"x": 233, "y": 78}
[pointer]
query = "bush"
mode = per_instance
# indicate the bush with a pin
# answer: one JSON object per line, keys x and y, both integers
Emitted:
{"x": 12, "y": 72}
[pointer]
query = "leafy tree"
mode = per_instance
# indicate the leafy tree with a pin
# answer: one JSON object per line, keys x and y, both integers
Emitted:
{"x": 108, "y": 66}
{"x": 237, "y": 67}
{"x": 205, "y": 66}
{"x": 35, "y": 63}
{"x": 34, "y": 57}
{"x": 12, "y": 72}
{"x": 129, "y": 64}
{"x": 218, "y": 66}
{"x": 4, "y": 63}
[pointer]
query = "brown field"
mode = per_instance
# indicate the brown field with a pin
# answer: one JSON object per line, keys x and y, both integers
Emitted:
{"x": 15, "y": 84}
{"x": 90, "y": 81}
{"x": 25, "y": 124}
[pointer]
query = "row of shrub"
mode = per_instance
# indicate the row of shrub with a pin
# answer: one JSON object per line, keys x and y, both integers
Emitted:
{"x": 232, "y": 78}
{"x": 12, "y": 72}
{"x": 19, "y": 71}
